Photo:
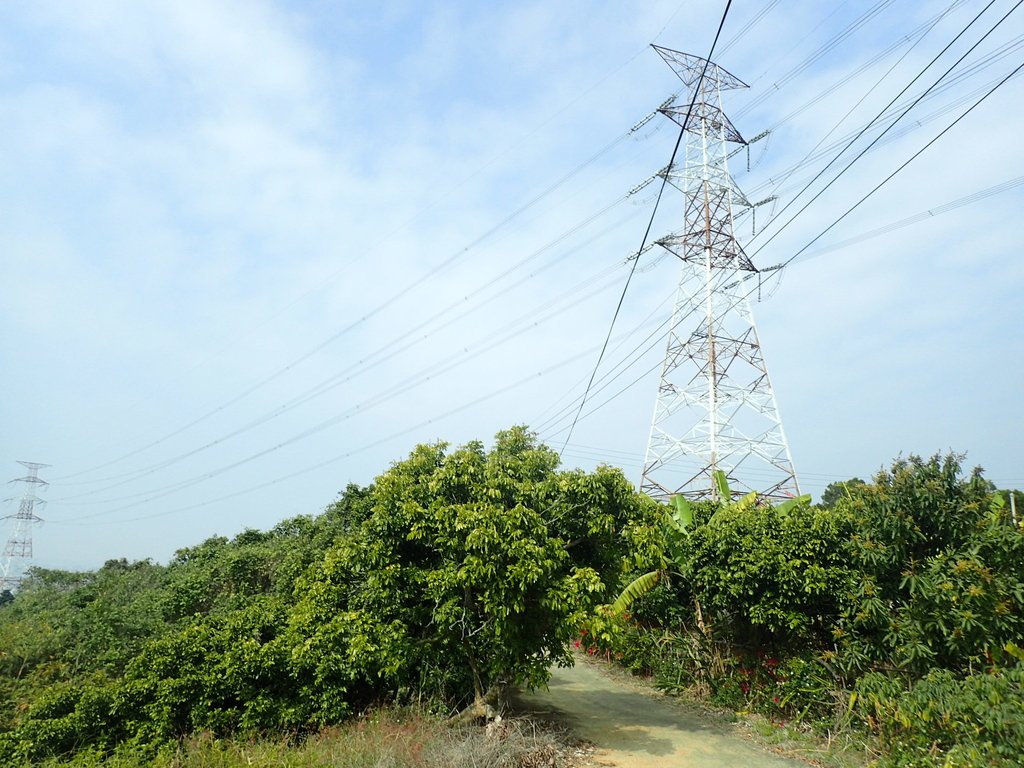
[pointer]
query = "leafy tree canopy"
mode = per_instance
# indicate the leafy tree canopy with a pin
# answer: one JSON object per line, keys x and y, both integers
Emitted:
{"x": 472, "y": 570}
{"x": 841, "y": 489}
{"x": 457, "y": 572}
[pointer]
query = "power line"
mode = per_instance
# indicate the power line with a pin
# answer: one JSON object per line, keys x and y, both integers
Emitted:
{"x": 925, "y": 29}
{"x": 566, "y": 410}
{"x": 378, "y": 357}
{"x": 347, "y": 454}
{"x": 817, "y": 55}
{"x": 527, "y": 322}
{"x": 379, "y": 308}
{"x": 580, "y": 95}
{"x": 543, "y": 426}
{"x": 890, "y": 126}
{"x": 926, "y": 215}
{"x": 659, "y": 339}
{"x": 913, "y": 157}
{"x": 294, "y": 363}
{"x": 748, "y": 26}
{"x": 1004, "y": 187}
{"x": 919, "y": 33}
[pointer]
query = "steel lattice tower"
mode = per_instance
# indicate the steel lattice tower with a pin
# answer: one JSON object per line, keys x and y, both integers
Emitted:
{"x": 715, "y": 408}
{"x": 18, "y": 551}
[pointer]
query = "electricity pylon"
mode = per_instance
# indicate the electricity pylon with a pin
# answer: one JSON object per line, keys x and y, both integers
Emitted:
{"x": 18, "y": 550}
{"x": 715, "y": 408}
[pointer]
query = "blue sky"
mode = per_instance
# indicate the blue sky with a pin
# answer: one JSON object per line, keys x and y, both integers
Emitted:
{"x": 253, "y": 251}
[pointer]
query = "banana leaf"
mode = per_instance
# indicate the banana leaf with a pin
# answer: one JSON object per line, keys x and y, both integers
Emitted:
{"x": 788, "y": 504}
{"x": 722, "y": 485}
{"x": 639, "y": 587}
{"x": 682, "y": 517}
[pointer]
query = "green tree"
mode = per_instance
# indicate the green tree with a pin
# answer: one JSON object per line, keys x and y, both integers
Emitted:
{"x": 940, "y": 570}
{"x": 756, "y": 572}
{"x": 841, "y": 489}
{"x": 457, "y": 572}
{"x": 222, "y": 575}
{"x": 471, "y": 572}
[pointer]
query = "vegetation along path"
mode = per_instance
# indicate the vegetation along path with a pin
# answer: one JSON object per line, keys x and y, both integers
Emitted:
{"x": 637, "y": 728}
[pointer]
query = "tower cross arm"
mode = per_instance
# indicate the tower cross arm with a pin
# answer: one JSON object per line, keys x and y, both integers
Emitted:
{"x": 707, "y": 113}
{"x": 688, "y": 68}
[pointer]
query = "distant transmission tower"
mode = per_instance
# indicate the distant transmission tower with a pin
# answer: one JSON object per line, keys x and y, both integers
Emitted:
{"x": 18, "y": 551}
{"x": 715, "y": 409}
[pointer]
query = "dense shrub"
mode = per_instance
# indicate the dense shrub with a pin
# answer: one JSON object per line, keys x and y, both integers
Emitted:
{"x": 906, "y": 589}
{"x": 460, "y": 571}
{"x": 769, "y": 574}
{"x": 940, "y": 571}
{"x": 221, "y": 673}
{"x": 976, "y": 722}
{"x": 456, "y": 573}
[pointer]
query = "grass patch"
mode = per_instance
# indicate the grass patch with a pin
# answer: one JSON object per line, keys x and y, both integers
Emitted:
{"x": 831, "y": 750}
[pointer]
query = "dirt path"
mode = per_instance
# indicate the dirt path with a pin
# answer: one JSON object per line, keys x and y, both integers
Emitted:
{"x": 634, "y": 728}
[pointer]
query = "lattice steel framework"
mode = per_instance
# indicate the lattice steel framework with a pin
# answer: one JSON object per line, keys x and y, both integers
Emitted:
{"x": 715, "y": 408}
{"x": 18, "y": 550}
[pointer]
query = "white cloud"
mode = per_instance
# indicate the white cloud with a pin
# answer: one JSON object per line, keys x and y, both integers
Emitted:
{"x": 206, "y": 191}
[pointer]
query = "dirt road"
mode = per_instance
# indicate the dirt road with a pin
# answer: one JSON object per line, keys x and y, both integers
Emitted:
{"x": 635, "y": 728}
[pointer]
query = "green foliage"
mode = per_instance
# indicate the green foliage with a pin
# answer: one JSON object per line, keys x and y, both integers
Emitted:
{"x": 471, "y": 571}
{"x": 67, "y": 715}
{"x": 844, "y": 489}
{"x": 456, "y": 572}
{"x": 64, "y": 627}
{"x": 682, "y": 514}
{"x": 722, "y": 490}
{"x": 899, "y": 602}
{"x": 769, "y": 574}
{"x": 636, "y": 589}
{"x": 940, "y": 571}
{"x": 975, "y": 722}
{"x": 222, "y": 673}
{"x": 914, "y": 510}
{"x": 677, "y": 522}
{"x": 738, "y": 579}
{"x": 138, "y": 651}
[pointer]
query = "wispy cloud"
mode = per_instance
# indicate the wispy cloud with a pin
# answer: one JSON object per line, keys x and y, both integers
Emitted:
{"x": 198, "y": 194}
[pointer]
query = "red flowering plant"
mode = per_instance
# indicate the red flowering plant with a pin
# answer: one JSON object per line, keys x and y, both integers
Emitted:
{"x": 603, "y": 634}
{"x": 798, "y": 687}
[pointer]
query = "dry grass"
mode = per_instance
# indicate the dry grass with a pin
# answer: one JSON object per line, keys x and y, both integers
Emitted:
{"x": 512, "y": 743}
{"x": 386, "y": 739}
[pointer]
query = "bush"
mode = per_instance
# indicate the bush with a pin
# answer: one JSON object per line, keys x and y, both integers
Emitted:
{"x": 976, "y": 722}
{"x": 917, "y": 579}
{"x": 770, "y": 575}
{"x": 940, "y": 572}
{"x": 221, "y": 673}
{"x": 68, "y": 716}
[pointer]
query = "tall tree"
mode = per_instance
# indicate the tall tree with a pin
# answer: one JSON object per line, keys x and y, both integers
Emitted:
{"x": 471, "y": 571}
{"x": 840, "y": 489}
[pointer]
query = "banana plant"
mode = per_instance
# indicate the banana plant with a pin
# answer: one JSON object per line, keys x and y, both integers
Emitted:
{"x": 678, "y": 523}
